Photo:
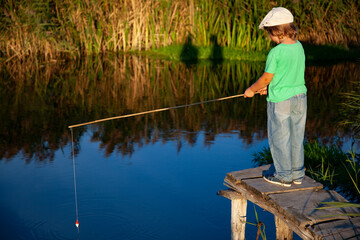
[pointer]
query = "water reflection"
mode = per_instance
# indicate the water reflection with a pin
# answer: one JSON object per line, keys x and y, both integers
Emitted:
{"x": 38, "y": 103}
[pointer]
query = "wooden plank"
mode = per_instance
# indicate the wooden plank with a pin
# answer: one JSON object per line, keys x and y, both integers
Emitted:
{"x": 266, "y": 188}
{"x": 303, "y": 205}
{"x": 248, "y": 173}
{"x": 283, "y": 231}
{"x": 339, "y": 229}
{"x": 230, "y": 194}
{"x": 238, "y": 218}
{"x": 261, "y": 188}
{"x": 347, "y": 235}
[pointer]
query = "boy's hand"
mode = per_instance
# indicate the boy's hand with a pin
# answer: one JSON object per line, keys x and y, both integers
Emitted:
{"x": 263, "y": 91}
{"x": 249, "y": 93}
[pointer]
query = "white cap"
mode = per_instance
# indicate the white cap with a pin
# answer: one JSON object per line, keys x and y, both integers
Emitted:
{"x": 277, "y": 16}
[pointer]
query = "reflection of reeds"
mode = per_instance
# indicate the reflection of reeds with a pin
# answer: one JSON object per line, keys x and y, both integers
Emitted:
{"x": 38, "y": 103}
{"x": 325, "y": 103}
{"x": 55, "y": 29}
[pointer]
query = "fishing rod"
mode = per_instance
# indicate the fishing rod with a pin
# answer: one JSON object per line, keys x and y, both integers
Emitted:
{"x": 126, "y": 116}
{"x": 155, "y": 110}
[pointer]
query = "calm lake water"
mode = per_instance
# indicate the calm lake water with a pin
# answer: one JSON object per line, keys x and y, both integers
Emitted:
{"x": 147, "y": 177}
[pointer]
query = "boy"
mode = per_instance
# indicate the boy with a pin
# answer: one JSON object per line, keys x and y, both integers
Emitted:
{"x": 287, "y": 102}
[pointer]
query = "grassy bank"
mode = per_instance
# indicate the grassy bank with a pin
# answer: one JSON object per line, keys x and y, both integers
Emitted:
{"x": 53, "y": 29}
{"x": 190, "y": 53}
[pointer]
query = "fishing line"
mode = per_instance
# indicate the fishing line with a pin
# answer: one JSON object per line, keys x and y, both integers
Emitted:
{"x": 155, "y": 110}
{"x": 76, "y": 202}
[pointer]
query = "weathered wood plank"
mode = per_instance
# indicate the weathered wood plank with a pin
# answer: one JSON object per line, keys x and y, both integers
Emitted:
{"x": 230, "y": 194}
{"x": 303, "y": 205}
{"x": 259, "y": 187}
{"x": 266, "y": 188}
{"x": 283, "y": 232}
{"x": 238, "y": 213}
{"x": 344, "y": 235}
{"x": 339, "y": 229}
{"x": 249, "y": 173}
{"x": 254, "y": 176}
{"x": 238, "y": 218}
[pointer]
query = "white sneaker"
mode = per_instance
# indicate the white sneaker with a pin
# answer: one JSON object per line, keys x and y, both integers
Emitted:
{"x": 274, "y": 180}
{"x": 297, "y": 181}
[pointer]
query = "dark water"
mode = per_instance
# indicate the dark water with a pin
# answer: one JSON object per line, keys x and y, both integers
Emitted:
{"x": 148, "y": 177}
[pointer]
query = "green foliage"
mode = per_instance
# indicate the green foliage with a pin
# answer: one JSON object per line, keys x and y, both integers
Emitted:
{"x": 313, "y": 53}
{"x": 352, "y": 168}
{"x": 178, "y": 52}
{"x": 263, "y": 157}
{"x": 321, "y": 161}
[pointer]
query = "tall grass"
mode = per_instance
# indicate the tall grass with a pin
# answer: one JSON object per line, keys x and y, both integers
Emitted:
{"x": 53, "y": 29}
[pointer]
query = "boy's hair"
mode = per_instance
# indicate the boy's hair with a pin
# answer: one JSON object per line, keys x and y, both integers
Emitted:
{"x": 283, "y": 30}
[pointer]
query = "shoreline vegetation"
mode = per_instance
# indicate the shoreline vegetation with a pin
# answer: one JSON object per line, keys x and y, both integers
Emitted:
{"x": 312, "y": 52}
{"x": 193, "y": 29}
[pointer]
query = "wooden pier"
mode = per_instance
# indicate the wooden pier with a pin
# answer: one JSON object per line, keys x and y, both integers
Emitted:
{"x": 295, "y": 208}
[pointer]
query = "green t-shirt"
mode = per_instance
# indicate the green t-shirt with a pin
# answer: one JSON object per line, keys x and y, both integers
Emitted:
{"x": 287, "y": 63}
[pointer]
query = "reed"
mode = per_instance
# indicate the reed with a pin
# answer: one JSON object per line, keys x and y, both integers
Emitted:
{"x": 260, "y": 226}
{"x": 53, "y": 29}
{"x": 352, "y": 167}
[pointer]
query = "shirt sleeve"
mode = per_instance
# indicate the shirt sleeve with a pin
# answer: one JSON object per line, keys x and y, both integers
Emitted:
{"x": 271, "y": 63}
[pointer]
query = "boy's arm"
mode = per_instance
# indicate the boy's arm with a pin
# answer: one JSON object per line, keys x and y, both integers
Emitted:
{"x": 261, "y": 83}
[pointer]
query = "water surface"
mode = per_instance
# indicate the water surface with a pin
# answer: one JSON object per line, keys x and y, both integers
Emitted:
{"x": 147, "y": 177}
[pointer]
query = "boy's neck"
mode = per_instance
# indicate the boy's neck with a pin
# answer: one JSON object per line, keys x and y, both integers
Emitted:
{"x": 287, "y": 40}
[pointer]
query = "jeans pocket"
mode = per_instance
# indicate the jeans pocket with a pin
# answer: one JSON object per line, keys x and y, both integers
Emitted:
{"x": 282, "y": 108}
{"x": 299, "y": 104}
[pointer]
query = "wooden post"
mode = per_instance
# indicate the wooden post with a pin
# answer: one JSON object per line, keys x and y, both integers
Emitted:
{"x": 238, "y": 218}
{"x": 283, "y": 232}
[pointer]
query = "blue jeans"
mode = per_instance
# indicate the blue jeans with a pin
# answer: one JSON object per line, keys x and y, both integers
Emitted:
{"x": 286, "y": 127}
